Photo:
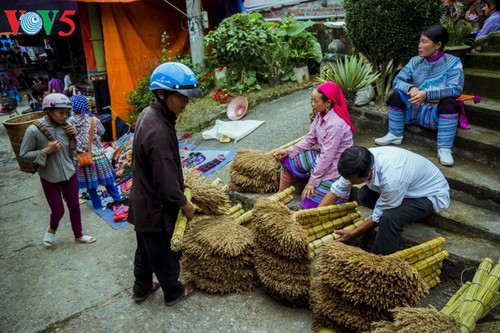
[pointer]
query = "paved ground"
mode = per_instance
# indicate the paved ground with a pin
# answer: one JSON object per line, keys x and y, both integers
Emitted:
{"x": 77, "y": 288}
{"x": 87, "y": 288}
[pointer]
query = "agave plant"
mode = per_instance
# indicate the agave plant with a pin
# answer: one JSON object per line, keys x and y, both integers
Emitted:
{"x": 352, "y": 74}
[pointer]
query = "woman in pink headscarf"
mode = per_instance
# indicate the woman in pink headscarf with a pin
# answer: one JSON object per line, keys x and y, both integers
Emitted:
{"x": 332, "y": 131}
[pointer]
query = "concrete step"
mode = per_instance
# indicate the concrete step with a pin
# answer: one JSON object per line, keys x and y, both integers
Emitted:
{"x": 489, "y": 48}
{"x": 484, "y": 114}
{"x": 482, "y": 82}
{"x": 477, "y": 144}
{"x": 483, "y": 60}
{"x": 471, "y": 182}
{"x": 468, "y": 220}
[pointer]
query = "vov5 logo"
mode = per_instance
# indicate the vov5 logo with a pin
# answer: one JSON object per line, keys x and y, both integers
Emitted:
{"x": 32, "y": 22}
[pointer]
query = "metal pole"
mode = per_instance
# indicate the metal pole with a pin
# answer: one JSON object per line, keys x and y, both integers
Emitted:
{"x": 196, "y": 33}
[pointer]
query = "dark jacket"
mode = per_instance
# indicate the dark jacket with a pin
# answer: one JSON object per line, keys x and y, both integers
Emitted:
{"x": 157, "y": 189}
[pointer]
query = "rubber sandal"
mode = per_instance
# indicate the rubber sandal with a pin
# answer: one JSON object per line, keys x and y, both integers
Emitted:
{"x": 188, "y": 290}
{"x": 86, "y": 239}
{"x": 139, "y": 299}
{"x": 48, "y": 239}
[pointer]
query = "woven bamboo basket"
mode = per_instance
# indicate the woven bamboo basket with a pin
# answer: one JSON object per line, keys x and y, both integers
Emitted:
{"x": 16, "y": 127}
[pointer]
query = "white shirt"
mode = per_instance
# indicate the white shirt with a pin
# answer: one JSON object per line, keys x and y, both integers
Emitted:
{"x": 398, "y": 174}
{"x": 67, "y": 82}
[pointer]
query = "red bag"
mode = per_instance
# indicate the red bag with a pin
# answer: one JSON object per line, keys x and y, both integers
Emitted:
{"x": 84, "y": 159}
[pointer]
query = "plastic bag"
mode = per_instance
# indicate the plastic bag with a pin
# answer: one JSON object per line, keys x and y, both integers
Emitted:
{"x": 364, "y": 96}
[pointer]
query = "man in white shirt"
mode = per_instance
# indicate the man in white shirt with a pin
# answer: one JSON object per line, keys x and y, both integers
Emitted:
{"x": 67, "y": 83}
{"x": 401, "y": 187}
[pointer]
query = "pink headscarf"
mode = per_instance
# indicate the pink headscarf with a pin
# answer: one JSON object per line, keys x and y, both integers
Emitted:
{"x": 333, "y": 92}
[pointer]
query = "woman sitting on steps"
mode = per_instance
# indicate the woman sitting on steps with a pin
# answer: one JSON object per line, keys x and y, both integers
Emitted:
{"x": 332, "y": 131}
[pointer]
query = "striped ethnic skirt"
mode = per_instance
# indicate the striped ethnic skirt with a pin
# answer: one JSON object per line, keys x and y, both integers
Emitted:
{"x": 301, "y": 166}
{"x": 99, "y": 173}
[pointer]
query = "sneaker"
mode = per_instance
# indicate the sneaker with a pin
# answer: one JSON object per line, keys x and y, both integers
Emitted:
{"x": 388, "y": 139}
{"x": 445, "y": 157}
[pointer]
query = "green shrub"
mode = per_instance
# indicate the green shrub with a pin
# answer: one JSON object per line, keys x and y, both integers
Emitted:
{"x": 352, "y": 74}
{"x": 301, "y": 45}
{"x": 387, "y": 33}
{"x": 240, "y": 41}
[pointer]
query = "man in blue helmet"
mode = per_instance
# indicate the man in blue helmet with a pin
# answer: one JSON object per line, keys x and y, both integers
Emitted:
{"x": 157, "y": 191}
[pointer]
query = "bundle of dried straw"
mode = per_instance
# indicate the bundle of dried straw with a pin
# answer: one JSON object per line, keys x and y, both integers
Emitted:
{"x": 412, "y": 320}
{"x": 254, "y": 171}
{"x": 218, "y": 255}
{"x": 281, "y": 257}
{"x": 209, "y": 198}
{"x": 361, "y": 287}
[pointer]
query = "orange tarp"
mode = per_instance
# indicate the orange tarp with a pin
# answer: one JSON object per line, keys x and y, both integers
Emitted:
{"x": 132, "y": 42}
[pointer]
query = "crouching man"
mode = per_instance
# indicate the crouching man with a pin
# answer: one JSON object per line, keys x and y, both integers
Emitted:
{"x": 400, "y": 186}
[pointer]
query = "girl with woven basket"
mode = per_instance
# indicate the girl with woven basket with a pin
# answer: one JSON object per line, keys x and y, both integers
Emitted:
{"x": 49, "y": 143}
{"x": 101, "y": 172}
{"x": 332, "y": 131}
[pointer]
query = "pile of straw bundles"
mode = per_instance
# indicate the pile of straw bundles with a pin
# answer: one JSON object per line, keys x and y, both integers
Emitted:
{"x": 281, "y": 255}
{"x": 284, "y": 246}
{"x": 253, "y": 171}
{"x": 208, "y": 198}
{"x": 427, "y": 258}
{"x": 469, "y": 304}
{"x": 218, "y": 255}
{"x": 355, "y": 288}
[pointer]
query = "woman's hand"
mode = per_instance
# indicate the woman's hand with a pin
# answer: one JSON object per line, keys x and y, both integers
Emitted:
{"x": 308, "y": 190}
{"x": 52, "y": 147}
{"x": 280, "y": 154}
{"x": 417, "y": 97}
{"x": 70, "y": 130}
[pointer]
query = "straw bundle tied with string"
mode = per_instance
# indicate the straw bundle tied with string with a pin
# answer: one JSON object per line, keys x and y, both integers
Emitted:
{"x": 218, "y": 255}
{"x": 281, "y": 257}
{"x": 254, "y": 171}
{"x": 193, "y": 250}
{"x": 361, "y": 277}
{"x": 207, "y": 197}
{"x": 412, "y": 320}
{"x": 277, "y": 232}
{"x": 276, "y": 265}
{"x": 328, "y": 303}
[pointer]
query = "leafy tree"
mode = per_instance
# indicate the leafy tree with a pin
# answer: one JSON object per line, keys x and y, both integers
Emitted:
{"x": 387, "y": 32}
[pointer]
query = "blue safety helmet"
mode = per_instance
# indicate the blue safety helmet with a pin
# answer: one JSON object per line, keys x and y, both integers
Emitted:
{"x": 175, "y": 76}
